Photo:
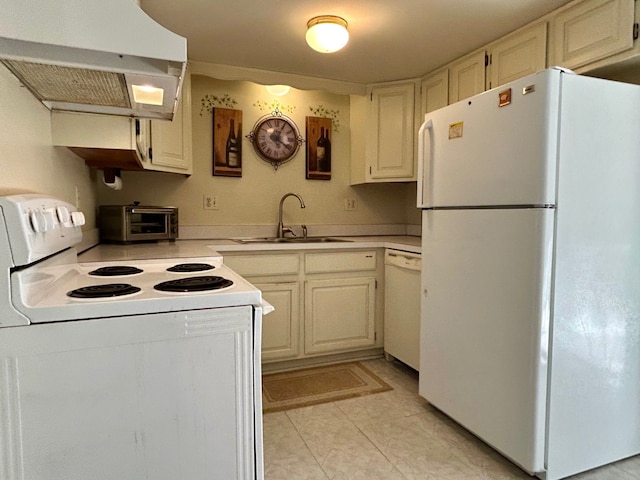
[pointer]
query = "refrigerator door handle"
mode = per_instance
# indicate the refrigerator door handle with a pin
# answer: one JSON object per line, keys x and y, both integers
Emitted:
{"x": 424, "y": 160}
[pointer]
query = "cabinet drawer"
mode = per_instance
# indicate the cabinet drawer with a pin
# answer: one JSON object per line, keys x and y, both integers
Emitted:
{"x": 285, "y": 264}
{"x": 340, "y": 261}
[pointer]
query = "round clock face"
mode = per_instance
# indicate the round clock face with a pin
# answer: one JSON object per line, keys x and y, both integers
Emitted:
{"x": 276, "y": 139}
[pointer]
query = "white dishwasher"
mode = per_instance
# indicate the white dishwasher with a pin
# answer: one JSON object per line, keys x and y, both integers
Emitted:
{"x": 402, "y": 306}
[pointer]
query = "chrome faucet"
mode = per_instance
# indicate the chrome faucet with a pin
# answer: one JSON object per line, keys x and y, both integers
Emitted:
{"x": 281, "y": 228}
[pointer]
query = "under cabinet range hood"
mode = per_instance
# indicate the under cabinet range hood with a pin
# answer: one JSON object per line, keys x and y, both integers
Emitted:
{"x": 95, "y": 56}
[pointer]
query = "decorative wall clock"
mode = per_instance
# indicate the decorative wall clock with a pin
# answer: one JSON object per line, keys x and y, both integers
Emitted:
{"x": 275, "y": 138}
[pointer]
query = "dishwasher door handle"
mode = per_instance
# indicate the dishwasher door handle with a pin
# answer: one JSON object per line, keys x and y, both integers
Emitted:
{"x": 404, "y": 260}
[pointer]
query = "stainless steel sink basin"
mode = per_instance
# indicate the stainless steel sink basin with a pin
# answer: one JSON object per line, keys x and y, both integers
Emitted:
{"x": 290, "y": 240}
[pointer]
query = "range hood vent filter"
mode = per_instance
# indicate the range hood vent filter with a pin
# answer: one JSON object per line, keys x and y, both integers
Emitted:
{"x": 54, "y": 83}
{"x": 91, "y": 56}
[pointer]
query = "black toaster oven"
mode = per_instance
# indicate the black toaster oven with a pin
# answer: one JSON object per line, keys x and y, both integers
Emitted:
{"x": 137, "y": 223}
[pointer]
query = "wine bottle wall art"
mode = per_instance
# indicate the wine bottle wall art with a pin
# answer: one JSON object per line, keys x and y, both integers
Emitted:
{"x": 319, "y": 151}
{"x": 227, "y": 142}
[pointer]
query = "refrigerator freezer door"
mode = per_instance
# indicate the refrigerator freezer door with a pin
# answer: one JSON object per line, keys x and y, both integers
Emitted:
{"x": 476, "y": 152}
{"x": 486, "y": 282}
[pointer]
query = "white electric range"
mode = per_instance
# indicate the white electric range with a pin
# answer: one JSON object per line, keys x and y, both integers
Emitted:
{"x": 147, "y": 369}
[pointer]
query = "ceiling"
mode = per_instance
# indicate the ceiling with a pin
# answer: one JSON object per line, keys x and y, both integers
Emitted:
{"x": 389, "y": 39}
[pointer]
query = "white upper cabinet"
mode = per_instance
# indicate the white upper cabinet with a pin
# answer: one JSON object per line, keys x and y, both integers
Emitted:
{"x": 467, "y": 76}
{"x": 434, "y": 92}
{"x": 589, "y": 31}
{"x": 382, "y": 133}
{"x": 171, "y": 141}
{"x": 518, "y": 55}
{"x": 109, "y": 141}
{"x": 391, "y": 132}
{"x": 514, "y": 56}
{"x": 593, "y": 37}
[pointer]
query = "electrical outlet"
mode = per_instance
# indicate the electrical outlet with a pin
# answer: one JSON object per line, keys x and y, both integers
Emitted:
{"x": 349, "y": 204}
{"x": 210, "y": 202}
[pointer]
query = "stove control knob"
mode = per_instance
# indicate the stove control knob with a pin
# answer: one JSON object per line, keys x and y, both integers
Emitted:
{"x": 77, "y": 219}
{"x": 38, "y": 221}
{"x": 49, "y": 220}
{"x": 63, "y": 215}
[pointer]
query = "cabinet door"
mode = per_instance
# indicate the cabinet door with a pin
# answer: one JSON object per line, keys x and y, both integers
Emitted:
{"x": 391, "y": 134}
{"x": 339, "y": 314}
{"x": 434, "y": 92}
{"x": 171, "y": 141}
{"x": 280, "y": 329}
{"x": 467, "y": 76}
{"x": 518, "y": 55}
{"x": 591, "y": 30}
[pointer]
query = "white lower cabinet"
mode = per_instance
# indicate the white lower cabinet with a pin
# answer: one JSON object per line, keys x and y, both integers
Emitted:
{"x": 280, "y": 330}
{"x": 339, "y": 314}
{"x": 277, "y": 276}
{"x": 326, "y": 302}
{"x": 340, "y": 301}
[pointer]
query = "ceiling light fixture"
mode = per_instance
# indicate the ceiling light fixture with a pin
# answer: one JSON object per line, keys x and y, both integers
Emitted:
{"x": 278, "y": 90}
{"x": 327, "y": 33}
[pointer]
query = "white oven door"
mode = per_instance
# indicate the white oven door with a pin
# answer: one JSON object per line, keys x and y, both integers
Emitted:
{"x": 161, "y": 396}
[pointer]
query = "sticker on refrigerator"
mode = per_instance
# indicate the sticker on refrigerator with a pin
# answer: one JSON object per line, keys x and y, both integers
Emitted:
{"x": 455, "y": 130}
{"x": 504, "y": 97}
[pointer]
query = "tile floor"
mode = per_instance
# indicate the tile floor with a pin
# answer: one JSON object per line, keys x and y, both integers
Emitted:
{"x": 393, "y": 435}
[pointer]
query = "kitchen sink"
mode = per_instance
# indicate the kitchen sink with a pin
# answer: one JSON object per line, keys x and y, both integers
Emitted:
{"x": 312, "y": 239}
{"x": 290, "y": 240}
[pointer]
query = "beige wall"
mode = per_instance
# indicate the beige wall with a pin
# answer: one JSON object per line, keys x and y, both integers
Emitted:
{"x": 414, "y": 214}
{"x": 27, "y": 159}
{"x": 253, "y": 198}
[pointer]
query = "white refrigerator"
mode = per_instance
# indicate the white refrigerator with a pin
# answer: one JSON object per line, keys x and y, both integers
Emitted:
{"x": 530, "y": 302}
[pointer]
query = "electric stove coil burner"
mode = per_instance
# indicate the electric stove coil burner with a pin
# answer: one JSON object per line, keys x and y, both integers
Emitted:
{"x": 194, "y": 284}
{"x": 114, "y": 271}
{"x": 106, "y": 290}
{"x": 190, "y": 267}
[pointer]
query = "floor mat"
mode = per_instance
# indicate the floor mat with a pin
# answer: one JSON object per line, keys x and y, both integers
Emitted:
{"x": 311, "y": 386}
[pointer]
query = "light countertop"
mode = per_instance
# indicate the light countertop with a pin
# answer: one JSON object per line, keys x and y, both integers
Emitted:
{"x": 208, "y": 248}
